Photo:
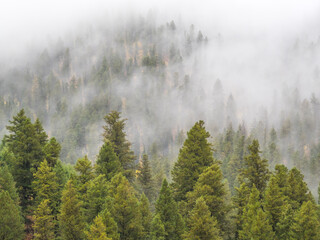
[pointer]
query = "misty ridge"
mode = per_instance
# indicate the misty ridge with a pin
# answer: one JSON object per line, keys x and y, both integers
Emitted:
{"x": 163, "y": 75}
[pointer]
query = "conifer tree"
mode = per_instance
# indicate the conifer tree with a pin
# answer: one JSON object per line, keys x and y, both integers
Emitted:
{"x": 43, "y": 222}
{"x": 146, "y": 217}
{"x": 256, "y": 170}
{"x": 201, "y": 224}
{"x": 114, "y": 132}
{"x": 167, "y": 209}
{"x": 157, "y": 229}
{"x": 211, "y": 188}
{"x": 40, "y": 134}
{"x": 97, "y": 230}
{"x": 26, "y": 148}
{"x": 255, "y": 223}
{"x": 145, "y": 177}
{"x": 281, "y": 176}
{"x": 7, "y": 184}
{"x": 70, "y": 218}
{"x": 52, "y": 151}
{"x": 274, "y": 201}
{"x": 84, "y": 176}
{"x": 111, "y": 225}
{"x": 11, "y": 226}
{"x": 283, "y": 228}
{"x": 306, "y": 222}
{"x": 108, "y": 162}
{"x": 194, "y": 156}
{"x": 45, "y": 185}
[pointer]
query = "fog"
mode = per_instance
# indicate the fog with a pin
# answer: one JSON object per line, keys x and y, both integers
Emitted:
{"x": 260, "y": 63}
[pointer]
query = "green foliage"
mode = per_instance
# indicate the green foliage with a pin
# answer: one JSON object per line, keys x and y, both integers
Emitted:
{"x": 10, "y": 220}
{"x": 7, "y": 184}
{"x": 157, "y": 229}
{"x": 145, "y": 177}
{"x": 194, "y": 156}
{"x": 97, "y": 230}
{"x": 256, "y": 170}
{"x": 52, "y": 151}
{"x": 255, "y": 223}
{"x": 43, "y": 222}
{"x": 306, "y": 222}
{"x": 167, "y": 209}
{"x": 201, "y": 224}
{"x": 114, "y": 132}
{"x": 212, "y": 189}
{"x": 283, "y": 228}
{"x": 70, "y": 218}
{"x": 108, "y": 162}
{"x": 111, "y": 225}
{"x": 146, "y": 216}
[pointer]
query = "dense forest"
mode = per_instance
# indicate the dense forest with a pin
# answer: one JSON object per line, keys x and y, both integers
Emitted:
{"x": 118, "y": 132}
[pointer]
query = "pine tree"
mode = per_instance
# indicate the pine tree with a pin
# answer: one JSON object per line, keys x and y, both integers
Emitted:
{"x": 70, "y": 218}
{"x": 283, "y": 228}
{"x": 52, "y": 151}
{"x": 281, "y": 176}
{"x": 157, "y": 229}
{"x": 26, "y": 148}
{"x": 298, "y": 191}
{"x": 194, "y": 156}
{"x": 255, "y": 223}
{"x": 202, "y": 225}
{"x": 108, "y": 162}
{"x": 256, "y": 170}
{"x": 43, "y": 222}
{"x": 114, "y": 132}
{"x": 125, "y": 208}
{"x": 97, "y": 230}
{"x": 274, "y": 201}
{"x": 7, "y": 184}
{"x": 111, "y": 225}
{"x": 45, "y": 185}
{"x": 84, "y": 176}
{"x": 10, "y": 220}
{"x": 145, "y": 177}
{"x": 212, "y": 189}
{"x": 306, "y": 222}
{"x": 167, "y": 209}
{"x": 146, "y": 217}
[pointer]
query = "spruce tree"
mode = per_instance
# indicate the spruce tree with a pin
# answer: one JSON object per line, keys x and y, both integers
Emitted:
{"x": 212, "y": 189}
{"x": 108, "y": 162}
{"x": 167, "y": 209}
{"x": 52, "y": 151}
{"x": 43, "y": 222}
{"x": 111, "y": 225}
{"x": 146, "y": 217}
{"x": 114, "y": 132}
{"x": 7, "y": 184}
{"x": 306, "y": 223}
{"x": 11, "y": 226}
{"x": 84, "y": 176}
{"x": 157, "y": 229}
{"x": 201, "y": 224}
{"x": 194, "y": 156}
{"x": 284, "y": 226}
{"x": 256, "y": 170}
{"x": 255, "y": 223}
{"x": 145, "y": 177}
{"x": 70, "y": 218}
{"x": 97, "y": 230}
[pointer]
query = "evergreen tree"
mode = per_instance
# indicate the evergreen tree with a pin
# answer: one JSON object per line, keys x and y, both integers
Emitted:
{"x": 84, "y": 176}
{"x": 274, "y": 201}
{"x": 201, "y": 224}
{"x": 52, "y": 151}
{"x": 281, "y": 175}
{"x": 157, "y": 229}
{"x": 43, "y": 222}
{"x": 111, "y": 225}
{"x": 114, "y": 132}
{"x": 256, "y": 170}
{"x": 40, "y": 134}
{"x": 108, "y": 162}
{"x": 194, "y": 156}
{"x": 97, "y": 230}
{"x": 7, "y": 184}
{"x": 167, "y": 209}
{"x": 255, "y": 221}
{"x": 10, "y": 220}
{"x": 306, "y": 222}
{"x": 146, "y": 217}
{"x": 26, "y": 148}
{"x": 145, "y": 177}
{"x": 283, "y": 228}
{"x": 70, "y": 218}
{"x": 211, "y": 188}
{"x": 45, "y": 185}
